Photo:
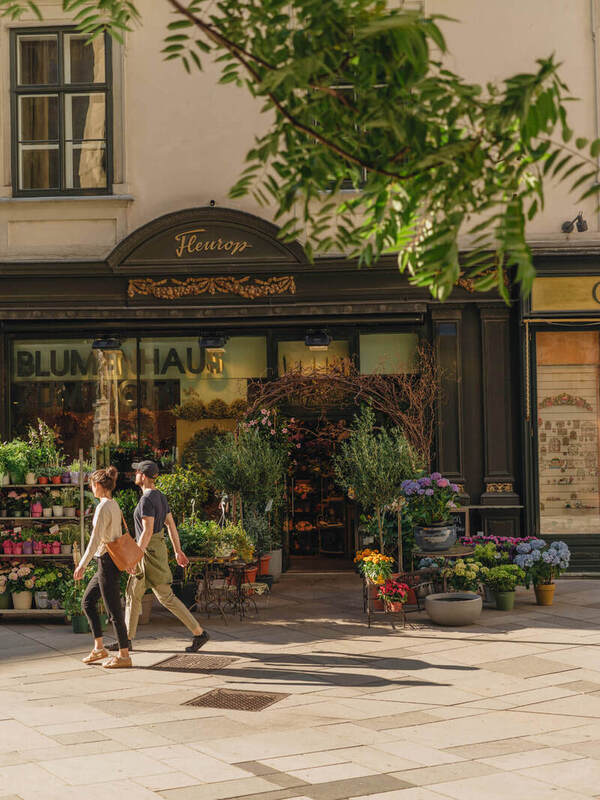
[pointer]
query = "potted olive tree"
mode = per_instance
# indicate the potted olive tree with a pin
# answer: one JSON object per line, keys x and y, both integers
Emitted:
{"x": 371, "y": 465}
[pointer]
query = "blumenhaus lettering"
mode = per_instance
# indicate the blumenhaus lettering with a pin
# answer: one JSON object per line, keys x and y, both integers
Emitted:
{"x": 190, "y": 242}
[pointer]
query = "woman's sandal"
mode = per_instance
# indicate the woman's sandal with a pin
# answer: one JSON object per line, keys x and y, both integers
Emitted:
{"x": 95, "y": 655}
{"x": 118, "y": 662}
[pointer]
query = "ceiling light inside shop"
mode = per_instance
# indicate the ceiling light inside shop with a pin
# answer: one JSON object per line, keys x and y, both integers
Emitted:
{"x": 213, "y": 343}
{"x": 317, "y": 340}
{"x": 106, "y": 343}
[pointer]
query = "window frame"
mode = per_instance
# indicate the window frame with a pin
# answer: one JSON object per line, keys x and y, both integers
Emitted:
{"x": 61, "y": 89}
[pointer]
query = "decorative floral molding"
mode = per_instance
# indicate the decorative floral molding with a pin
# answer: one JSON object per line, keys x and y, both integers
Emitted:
{"x": 498, "y": 488}
{"x": 247, "y": 287}
{"x": 565, "y": 400}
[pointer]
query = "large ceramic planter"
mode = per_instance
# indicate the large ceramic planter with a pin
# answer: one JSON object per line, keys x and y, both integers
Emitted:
{"x": 5, "y": 601}
{"x": 80, "y": 624}
{"x": 276, "y": 565}
{"x": 435, "y": 538}
{"x": 544, "y": 593}
{"x": 454, "y": 608}
{"x": 22, "y": 600}
{"x": 505, "y": 601}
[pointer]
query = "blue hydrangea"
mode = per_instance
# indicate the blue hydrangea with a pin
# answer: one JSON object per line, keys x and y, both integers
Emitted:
{"x": 524, "y": 547}
{"x": 537, "y": 544}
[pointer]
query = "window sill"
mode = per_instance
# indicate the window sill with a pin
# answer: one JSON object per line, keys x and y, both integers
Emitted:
{"x": 86, "y": 198}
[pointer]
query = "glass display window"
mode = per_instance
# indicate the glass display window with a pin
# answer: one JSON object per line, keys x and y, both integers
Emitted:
{"x": 388, "y": 353}
{"x": 293, "y": 355}
{"x": 568, "y": 365}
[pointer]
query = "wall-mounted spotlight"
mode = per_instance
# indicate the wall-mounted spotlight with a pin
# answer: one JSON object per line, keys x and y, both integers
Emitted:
{"x": 317, "y": 340}
{"x": 567, "y": 227}
{"x": 213, "y": 342}
{"x": 107, "y": 343}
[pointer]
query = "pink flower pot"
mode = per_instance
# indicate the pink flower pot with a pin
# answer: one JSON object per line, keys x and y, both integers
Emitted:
{"x": 7, "y": 546}
{"x": 36, "y": 509}
{"x": 47, "y": 548}
{"x": 56, "y": 548}
{"x": 38, "y": 548}
{"x": 17, "y": 548}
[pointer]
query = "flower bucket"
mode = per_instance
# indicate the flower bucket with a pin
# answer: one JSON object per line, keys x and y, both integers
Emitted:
{"x": 17, "y": 548}
{"x": 66, "y": 549}
{"x": 74, "y": 478}
{"x": 27, "y": 548}
{"x": 22, "y": 600}
{"x": 47, "y": 512}
{"x": 544, "y": 593}
{"x": 79, "y": 624}
{"x": 41, "y": 600}
{"x": 30, "y": 478}
{"x": 7, "y": 547}
{"x": 5, "y": 601}
{"x": 57, "y": 511}
{"x": 250, "y": 574}
{"x": 69, "y": 511}
{"x": 505, "y": 601}
{"x": 263, "y": 565}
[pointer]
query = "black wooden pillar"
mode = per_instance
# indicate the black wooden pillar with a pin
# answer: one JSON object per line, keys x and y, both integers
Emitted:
{"x": 447, "y": 331}
{"x": 499, "y": 471}
{"x": 5, "y": 379}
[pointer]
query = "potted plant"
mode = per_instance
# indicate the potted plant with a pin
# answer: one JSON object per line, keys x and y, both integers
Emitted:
{"x": 74, "y": 471}
{"x": 17, "y": 542}
{"x": 38, "y": 544}
{"x": 376, "y": 569}
{"x": 17, "y": 504}
{"x": 42, "y": 477}
{"x": 7, "y": 545}
{"x": 57, "y": 505}
{"x": 542, "y": 563}
{"x": 394, "y": 594}
{"x": 4, "y": 466}
{"x": 5, "y": 598}
{"x": 71, "y": 597}
{"x": 16, "y": 459}
{"x": 69, "y": 500}
{"x": 430, "y": 501}
{"x": 36, "y": 508}
{"x": 371, "y": 465}
{"x": 20, "y": 582}
{"x": 503, "y": 580}
{"x": 54, "y": 474}
{"x": 69, "y": 534}
{"x": 464, "y": 575}
{"x": 3, "y": 510}
{"x": 27, "y": 536}
{"x": 46, "y": 501}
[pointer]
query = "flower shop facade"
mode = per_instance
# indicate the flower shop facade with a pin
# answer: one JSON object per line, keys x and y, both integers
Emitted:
{"x": 561, "y": 355}
{"x": 199, "y": 304}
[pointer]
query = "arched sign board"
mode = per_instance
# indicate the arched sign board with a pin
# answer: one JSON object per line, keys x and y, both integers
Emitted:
{"x": 196, "y": 239}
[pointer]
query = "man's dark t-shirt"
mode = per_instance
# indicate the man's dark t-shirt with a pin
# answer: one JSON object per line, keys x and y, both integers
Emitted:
{"x": 151, "y": 504}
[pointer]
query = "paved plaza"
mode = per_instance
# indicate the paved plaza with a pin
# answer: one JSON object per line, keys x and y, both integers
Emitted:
{"x": 509, "y": 708}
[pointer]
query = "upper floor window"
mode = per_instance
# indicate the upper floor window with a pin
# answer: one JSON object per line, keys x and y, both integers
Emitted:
{"x": 61, "y": 112}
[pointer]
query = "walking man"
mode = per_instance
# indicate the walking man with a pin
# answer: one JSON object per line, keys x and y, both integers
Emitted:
{"x": 150, "y": 517}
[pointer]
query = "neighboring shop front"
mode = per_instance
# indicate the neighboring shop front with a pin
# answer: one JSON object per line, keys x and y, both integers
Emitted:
{"x": 561, "y": 322}
{"x": 206, "y": 301}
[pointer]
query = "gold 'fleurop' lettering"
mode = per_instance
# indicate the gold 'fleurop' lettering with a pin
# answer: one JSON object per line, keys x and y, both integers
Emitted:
{"x": 189, "y": 242}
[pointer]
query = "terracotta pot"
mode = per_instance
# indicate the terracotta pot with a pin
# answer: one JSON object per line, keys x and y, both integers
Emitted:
{"x": 544, "y": 593}
{"x": 394, "y": 607}
{"x": 43, "y": 479}
{"x": 250, "y": 574}
{"x": 22, "y": 600}
{"x": 263, "y": 565}
{"x": 375, "y": 603}
{"x": 55, "y": 479}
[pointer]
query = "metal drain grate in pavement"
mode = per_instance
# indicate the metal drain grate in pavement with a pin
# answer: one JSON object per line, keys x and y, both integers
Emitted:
{"x": 237, "y": 699}
{"x": 194, "y": 663}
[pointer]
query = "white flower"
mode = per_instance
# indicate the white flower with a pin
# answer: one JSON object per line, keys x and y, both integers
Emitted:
{"x": 12, "y": 576}
{"x": 22, "y": 571}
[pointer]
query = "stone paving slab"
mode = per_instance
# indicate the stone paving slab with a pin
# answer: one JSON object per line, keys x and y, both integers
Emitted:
{"x": 509, "y": 707}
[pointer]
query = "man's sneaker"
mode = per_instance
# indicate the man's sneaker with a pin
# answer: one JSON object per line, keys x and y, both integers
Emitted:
{"x": 198, "y": 642}
{"x": 114, "y": 647}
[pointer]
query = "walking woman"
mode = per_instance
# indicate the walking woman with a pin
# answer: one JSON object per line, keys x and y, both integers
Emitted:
{"x": 106, "y": 583}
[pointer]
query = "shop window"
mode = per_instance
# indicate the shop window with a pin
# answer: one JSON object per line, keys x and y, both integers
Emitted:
{"x": 388, "y": 353}
{"x": 89, "y": 397}
{"x": 296, "y": 355}
{"x": 61, "y": 113}
{"x": 205, "y": 381}
{"x": 568, "y": 373}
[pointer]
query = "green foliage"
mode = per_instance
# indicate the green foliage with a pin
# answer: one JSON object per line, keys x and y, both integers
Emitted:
{"x": 196, "y": 450}
{"x": 505, "y": 578}
{"x": 248, "y": 464}
{"x": 71, "y": 593}
{"x": 127, "y": 500}
{"x": 206, "y": 538}
{"x": 69, "y": 497}
{"x": 43, "y": 450}
{"x": 356, "y": 91}
{"x": 489, "y": 555}
{"x": 15, "y": 457}
{"x": 70, "y": 534}
{"x": 372, "y": 463}
{"x": 186, "y": 490}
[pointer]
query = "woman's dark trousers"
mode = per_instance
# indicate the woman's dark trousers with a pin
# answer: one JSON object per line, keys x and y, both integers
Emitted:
{"x": 105, "y": 584}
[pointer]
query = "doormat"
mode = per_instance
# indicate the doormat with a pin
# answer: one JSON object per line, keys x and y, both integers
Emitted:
{"x": 237, "y": 699}
{"x": 194, "y": 663}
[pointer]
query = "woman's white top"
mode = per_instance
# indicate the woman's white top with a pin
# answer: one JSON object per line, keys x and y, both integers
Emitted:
{"x": 106, "y": 527}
